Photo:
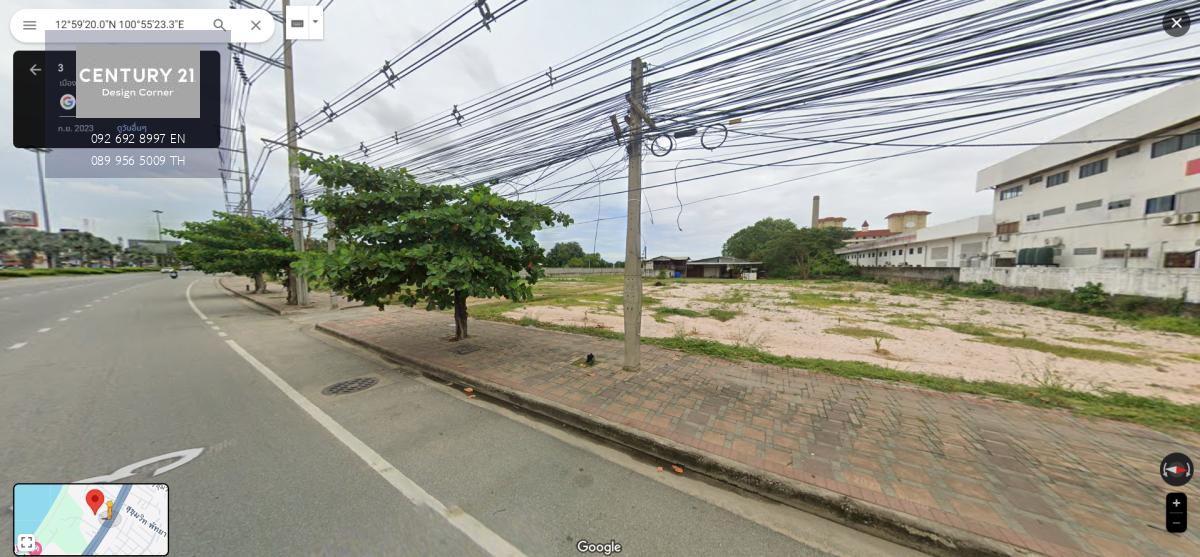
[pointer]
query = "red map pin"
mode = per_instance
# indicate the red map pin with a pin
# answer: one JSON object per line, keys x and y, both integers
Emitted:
{"x": 94, "y": 499}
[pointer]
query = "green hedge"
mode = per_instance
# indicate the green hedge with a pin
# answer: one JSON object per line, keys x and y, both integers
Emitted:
{"x": 72, "y": 271}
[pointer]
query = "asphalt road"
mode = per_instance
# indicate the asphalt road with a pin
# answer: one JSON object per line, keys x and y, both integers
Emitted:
{"x": 102, "y": 372}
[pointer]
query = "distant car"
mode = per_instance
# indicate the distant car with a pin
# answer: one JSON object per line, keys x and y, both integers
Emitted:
{"x": 187, "y": 268}
{"x": 166, "y": 270}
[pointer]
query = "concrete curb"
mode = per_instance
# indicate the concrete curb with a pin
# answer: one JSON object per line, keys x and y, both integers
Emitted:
{"x": 258, "y": 302}
{"x": 915, "y": 532}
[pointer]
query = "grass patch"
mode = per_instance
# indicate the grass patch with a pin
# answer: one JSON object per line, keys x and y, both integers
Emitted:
{"x": 736, "y": 296}
{"x": 909, "y": 322}
{"x": 972, "y": 329}
{"x": 1064, "y": 351}
{"x": 909, "y": 289}
{"x": 824, "y": 300}
{"x": 1170, "y": 324}
{"x": 661, "y": 313}
{"x": 859, "y": 332}
{"x": 1104, "y": 341}
{"x": 722, "y": 315}
{"x": 1154, "y": 412}
{"x": 24, "y": 273}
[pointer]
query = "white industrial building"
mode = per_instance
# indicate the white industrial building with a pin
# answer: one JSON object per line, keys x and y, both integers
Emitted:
{"x": 1081, "y": 208}
{"x": 1076, "y": 204}
{"x": 1134, "y": 204}
{"x": 961, "y": 243}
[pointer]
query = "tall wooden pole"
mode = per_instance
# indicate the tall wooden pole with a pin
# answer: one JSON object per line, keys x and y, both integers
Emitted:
{"x": 633, "y": 225}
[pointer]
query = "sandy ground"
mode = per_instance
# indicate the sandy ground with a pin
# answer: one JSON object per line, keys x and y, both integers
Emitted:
{"x": 772, "y": 319}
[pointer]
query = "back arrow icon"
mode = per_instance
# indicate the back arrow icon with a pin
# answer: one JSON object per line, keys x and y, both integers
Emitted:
{"x": 34, "y": 70}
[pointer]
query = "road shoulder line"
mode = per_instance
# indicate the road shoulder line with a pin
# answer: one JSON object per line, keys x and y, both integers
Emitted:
{"x": 484, "y": 537}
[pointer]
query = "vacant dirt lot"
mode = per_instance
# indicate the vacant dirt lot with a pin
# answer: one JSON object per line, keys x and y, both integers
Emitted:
{"x": 904, "y": 329}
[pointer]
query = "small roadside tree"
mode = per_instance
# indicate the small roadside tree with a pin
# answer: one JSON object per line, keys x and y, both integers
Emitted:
{"x": 398, "y": 239}
{"x": 230, "y": 243}
{"x": 805, "y": 252}
{"x": 25, "y": 242}
{"x": 137, "y": 256}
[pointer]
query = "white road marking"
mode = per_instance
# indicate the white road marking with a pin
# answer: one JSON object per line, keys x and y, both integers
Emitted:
{"x": 216, "y": 328}
{"x": 87, "y": 305}
{"x": 208, "y": 322}
{"x": 185, "y": 456}
{"x": 63, "y": 318}
{"x": 486, "y": 539}
{"x": 77, "y": 311}
{"x": 188, "y": 294}
{"x": 44, "y": 330}
{"x": 17, "y": 345}
{"x": 222, "y": 334}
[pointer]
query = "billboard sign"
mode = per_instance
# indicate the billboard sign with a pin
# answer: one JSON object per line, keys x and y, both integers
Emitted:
{"x": 19, "y": 218}
{"x": 158, "y": 247}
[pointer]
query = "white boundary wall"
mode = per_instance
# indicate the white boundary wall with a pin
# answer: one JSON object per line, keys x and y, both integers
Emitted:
{"x": 1158, "y": 283}
{"x": 580, "y": 271}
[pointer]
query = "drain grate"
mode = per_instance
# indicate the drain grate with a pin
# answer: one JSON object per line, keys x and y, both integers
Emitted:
{"x": 350, "y": 386}
{"x": 464, "y": 349}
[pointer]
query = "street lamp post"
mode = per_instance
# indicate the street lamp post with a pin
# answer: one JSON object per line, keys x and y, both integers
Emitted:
{"x": 159, "y": 222}
{"x": 42, "y": 189}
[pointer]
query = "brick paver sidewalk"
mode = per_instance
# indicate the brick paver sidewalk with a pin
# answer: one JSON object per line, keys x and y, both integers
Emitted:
{"x": 275, "y": 299}
{"x": 997, "y": 471}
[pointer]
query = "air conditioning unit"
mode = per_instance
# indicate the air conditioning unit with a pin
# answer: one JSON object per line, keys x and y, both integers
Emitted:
{"x": 1002, "y": 238}
{"x": 1182, "y": 218}
{"x": 1055, "y": 241}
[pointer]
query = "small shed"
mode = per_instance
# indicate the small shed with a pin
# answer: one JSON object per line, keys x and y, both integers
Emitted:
{"x": 672, "y": 266}
{"x": 723, "y": 267}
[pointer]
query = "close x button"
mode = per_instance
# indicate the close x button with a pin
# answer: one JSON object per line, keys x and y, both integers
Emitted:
{"x": 1176, "y": 513}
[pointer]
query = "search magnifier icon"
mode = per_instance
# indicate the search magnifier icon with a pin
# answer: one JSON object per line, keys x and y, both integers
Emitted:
{"x": 217, "y": 23}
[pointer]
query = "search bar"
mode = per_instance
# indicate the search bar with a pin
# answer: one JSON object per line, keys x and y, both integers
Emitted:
{"x": 244, "y": 26}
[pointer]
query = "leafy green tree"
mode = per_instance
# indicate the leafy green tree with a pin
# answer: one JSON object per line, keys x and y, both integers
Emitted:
{"x": 398, "y": 239}
{"x": 25, "y": 242}
{"x": 86, "y": 247}
{"x": 749, "y": 242}
{"x": 138, "y": 256}
{"x": 588, "y": 260}
{"x": 563, "y": 252}
{"x": 51, "y": 245}
{"x": 806, "y": 252}
{"x": 231, "y": 243}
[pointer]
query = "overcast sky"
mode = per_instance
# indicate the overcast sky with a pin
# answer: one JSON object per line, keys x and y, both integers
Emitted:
{"x": 360, "y": 34}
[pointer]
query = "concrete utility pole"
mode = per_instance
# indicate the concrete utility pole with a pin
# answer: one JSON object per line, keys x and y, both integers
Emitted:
{"x": 298, "y": 284}
{"x": 331, "y": 245}
{"x": 247, "y": 205}
{"x": 633, "y": 224}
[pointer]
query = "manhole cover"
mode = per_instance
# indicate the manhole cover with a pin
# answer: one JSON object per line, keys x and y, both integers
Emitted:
{"x": 350, "y": 386}
{"x": 464, "y": 349}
